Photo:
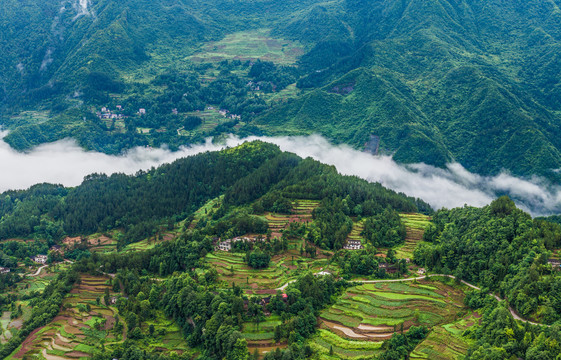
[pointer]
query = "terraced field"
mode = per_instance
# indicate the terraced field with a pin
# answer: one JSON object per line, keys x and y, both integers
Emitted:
{"x": 261, "y": 336}
{"x": 80, "y": 328}
{"x": 368, "y": 314}
{"x": 415, "y": 225}
{"x": 246, "y": 277}
{"x": 355, "y": 233}
{"x": 251, "y": 45}
{"x": 446, "y": 342}
{"x": 301, "y": 212}
{"x": 282, "y": 268}
{"x": 74, "y": 333}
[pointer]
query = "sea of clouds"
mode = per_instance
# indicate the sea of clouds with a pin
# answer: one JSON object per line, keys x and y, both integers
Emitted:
{"x": 64, "y": 162}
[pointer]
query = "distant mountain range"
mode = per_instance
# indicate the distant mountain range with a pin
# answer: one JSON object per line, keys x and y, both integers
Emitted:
{"x": 473, "y": 81}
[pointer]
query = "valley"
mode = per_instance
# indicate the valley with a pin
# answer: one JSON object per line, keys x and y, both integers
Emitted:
{"x": 280, "y": 180}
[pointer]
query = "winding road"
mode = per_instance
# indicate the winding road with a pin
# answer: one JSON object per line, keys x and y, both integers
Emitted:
{"x": 38, "y": 271}
{"x": 514, "y": 314}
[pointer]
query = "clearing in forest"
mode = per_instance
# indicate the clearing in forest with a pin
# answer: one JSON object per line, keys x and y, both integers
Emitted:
{"x": 251, "y": 45}
{"x": 356, "y": 232}
{"x": 415, "y": 225}
{"x": 261, "y": 336}
{"x": 368, "y": 314}
{"x": 282, "y": 268}
{"x": 301, "y": 213}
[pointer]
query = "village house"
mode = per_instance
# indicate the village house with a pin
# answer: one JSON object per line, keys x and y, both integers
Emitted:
{"x": 4, "y": 270}
{"x": 40, "y": 259}
{"x": 174, "y": 111}
{"x": 142, "y": 111}
{"x": 119, "y": 107}
{"x": 421, "y": 271}
{"x": 353, "y": 245}
{"x": 323, "y": 273}
{"x": 225, "y": 245}
{"x": 56, "y": 248}
{"x": 556, "y": 264}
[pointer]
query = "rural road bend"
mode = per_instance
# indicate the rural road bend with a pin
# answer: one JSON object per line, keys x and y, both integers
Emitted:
{"x": 38, "y": 271}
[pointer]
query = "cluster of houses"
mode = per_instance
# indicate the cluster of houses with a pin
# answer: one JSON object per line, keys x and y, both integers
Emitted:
{"x": 4, "y": 270}
{"x": 106, "y": 113}
{"x": 226, "y": 245}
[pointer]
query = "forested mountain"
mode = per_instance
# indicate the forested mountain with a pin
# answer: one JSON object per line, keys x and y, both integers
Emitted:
{"x": 436, "y": 80}
{"x": 250, "y": 172}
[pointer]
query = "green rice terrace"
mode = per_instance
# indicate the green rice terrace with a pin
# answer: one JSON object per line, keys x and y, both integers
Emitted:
{"x": 415, "y": 225}
{"x": 301, "y": 212}
{"x": 86, "y": 322}
{"x": 261, "y": 335}
{"x": 446, "y": 341}
{"x": 355, "y": 234}
{"x": 366, "y": 315}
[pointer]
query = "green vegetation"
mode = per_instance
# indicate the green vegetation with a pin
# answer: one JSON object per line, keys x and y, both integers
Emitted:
{"x": 500, "y": 248}
{"x": 415, "y": 226}
{"x": 151, "y": 282}
{"x": 367, "y": 315}
{"x": 433, "y": 82}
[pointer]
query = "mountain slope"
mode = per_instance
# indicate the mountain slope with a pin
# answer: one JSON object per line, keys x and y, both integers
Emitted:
{"x": 472, "y": 81}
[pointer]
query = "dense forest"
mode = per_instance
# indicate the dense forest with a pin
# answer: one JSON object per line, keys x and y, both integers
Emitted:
{"x": 140, "y": 203}
{"x": 501, "y": 248}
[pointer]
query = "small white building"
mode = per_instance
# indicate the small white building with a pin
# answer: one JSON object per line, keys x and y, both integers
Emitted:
{"x": 353, "y": 245}
{"x": 40, "y": 259}
{"x": 142, "y": 111}
{"x": 4, "y": 270}
{"x": 225, "y": 245}
{"x": 323, "y": 273}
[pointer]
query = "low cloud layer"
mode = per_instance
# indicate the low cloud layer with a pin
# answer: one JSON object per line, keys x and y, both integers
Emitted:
{"x": 65, "y": 163}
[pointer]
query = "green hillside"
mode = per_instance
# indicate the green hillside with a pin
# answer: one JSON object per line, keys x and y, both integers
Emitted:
{"x": 244, "y": 254}
{"x": 435, "y": 81}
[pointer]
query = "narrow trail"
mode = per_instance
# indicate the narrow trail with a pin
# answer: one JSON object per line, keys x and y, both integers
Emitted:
{"x": 513, "y": 313}
{"x": 38, "y": 271}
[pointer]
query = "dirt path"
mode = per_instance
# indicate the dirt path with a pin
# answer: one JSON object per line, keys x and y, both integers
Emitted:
{"x": 38, "y": 271}
{"x": 513, "y": 313}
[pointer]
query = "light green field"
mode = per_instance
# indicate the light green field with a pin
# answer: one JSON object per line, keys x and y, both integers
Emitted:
{"x": 356, "y": 231}
{"x": 446, "y": 342}
{"x": 272, "y": 277}
{"x": 250, "y": 45}
{"x": 30, "y": 117}
{"x": 366, "y": 315}
{"x": 204, "y": 210}
{"x": 415, "y": 225}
